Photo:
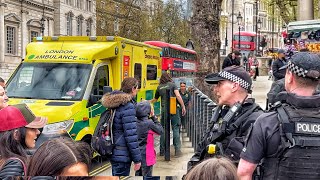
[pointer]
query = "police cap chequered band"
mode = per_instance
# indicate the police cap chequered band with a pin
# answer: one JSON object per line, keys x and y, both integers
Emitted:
{"x": 297, "y": 70}
{"x": 231, "y": 77}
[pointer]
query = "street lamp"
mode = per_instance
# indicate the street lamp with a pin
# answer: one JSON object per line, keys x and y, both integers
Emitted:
{"x": 42, "y": 25}
{"x": 232, "y": 14}
{"x": 239, "y": 19}
{"x": 259, "y": 30}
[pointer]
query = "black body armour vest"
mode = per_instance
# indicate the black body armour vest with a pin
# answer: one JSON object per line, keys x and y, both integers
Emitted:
{"x": 298, "y": 155}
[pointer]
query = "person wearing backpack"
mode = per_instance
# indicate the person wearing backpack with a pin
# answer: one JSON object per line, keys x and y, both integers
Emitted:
{"x": 18, "y": 133}
{"x": 124, "y": 127}
{"x": 147, "y": 128}
{"x": 285, "y": 142}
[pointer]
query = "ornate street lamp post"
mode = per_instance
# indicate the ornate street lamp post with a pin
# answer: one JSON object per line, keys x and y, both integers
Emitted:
{"x": 259, "y": 30}
{"x": 239, "y": 19}
{"x": 42, "y": 20}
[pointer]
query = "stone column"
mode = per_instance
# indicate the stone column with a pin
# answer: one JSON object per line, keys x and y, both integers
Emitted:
{"x": 24, "y": 33}
{"x": 50, "y": 26}
{"x": 2, "y": 30}
{"x": 74, "y": 26}
{"x": 305, "y": 10}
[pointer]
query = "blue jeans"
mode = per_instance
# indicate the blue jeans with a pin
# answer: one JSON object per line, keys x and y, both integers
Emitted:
{"x": 120, "y": 169}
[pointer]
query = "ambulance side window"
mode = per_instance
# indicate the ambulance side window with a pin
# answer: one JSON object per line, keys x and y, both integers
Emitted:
{"x": 138, "y": 72}
{"x": 101, "y": 79}
{"x": 151, "y": 72}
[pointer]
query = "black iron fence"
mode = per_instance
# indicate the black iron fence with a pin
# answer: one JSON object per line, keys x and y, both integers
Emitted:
{"x": 199, "y": 116}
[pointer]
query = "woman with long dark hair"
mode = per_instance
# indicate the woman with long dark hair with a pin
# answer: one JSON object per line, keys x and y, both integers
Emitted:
{"x": 18, "y": 132}
{"x": 61, "y": 157}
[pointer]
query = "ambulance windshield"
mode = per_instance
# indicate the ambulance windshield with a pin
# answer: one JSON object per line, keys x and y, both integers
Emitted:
{"x": 54, "y": 81}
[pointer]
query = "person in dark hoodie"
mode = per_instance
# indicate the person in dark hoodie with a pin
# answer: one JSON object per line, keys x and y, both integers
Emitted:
{"x": 232, "y": 59}
{"x": 146, "y": 128}
{"x": 279, "y": 66}
{"x": 124, "y": 127}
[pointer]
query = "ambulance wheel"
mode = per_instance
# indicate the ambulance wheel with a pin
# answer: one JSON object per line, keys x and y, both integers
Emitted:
{"x": 87, "y": 139}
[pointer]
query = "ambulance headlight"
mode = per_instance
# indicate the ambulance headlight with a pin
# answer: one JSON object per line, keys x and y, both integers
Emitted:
{"x": 58, "y": 128}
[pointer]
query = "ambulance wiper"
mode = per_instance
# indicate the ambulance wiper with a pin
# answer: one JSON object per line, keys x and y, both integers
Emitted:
{"x": 21, "y": 97}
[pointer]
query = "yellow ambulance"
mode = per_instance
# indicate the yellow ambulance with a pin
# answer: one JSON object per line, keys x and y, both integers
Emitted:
{"x": 64, "y": 77}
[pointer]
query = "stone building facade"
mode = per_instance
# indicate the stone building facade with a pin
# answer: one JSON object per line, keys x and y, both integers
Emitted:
{"x": 75, "y": 17}
{"x": 21, "y": 20}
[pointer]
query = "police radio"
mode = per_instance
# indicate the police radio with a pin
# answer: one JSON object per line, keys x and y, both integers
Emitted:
{"x": 230, "y": 114}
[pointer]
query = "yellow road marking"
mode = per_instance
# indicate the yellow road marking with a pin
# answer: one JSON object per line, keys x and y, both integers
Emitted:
{"x": 100, "y": 169}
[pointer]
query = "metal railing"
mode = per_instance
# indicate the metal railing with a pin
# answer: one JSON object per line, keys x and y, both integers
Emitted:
{"x": 199, "y": 116}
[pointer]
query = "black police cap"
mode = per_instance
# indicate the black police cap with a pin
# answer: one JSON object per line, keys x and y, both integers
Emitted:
{"x": 234, "y": 74}
{"x": 305, "y": 64}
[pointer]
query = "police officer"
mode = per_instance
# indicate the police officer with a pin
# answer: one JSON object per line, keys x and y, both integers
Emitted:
{"x": 166, "y": 82}
{"x": 233, "y": 116}
{"x": 288, "y": 138}
{"x": 186, "y": 97}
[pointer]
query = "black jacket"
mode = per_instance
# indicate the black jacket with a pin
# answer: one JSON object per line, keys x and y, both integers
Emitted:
{"x": 227, "y": 140}
{"x": 11, "y": 168}
{"x": 228, "y": 61}
{"x": 277, "y": 72}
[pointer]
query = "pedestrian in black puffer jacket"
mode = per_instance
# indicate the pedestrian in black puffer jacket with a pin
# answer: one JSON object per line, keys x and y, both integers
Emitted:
{"x": 124, "y": 128}
{"x": 147, "y": 127}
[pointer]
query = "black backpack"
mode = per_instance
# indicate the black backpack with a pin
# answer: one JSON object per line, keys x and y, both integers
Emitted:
{"x": 102, "y": 139}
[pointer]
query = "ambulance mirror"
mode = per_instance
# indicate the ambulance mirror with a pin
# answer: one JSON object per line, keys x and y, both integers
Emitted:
{"x": 107, "y": 89}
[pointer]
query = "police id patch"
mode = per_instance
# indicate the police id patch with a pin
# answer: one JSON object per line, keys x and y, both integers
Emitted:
{"x": 307, "y": 128}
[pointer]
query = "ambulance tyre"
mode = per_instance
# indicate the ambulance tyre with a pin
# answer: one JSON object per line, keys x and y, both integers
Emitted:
{"x": 87, "y": 139}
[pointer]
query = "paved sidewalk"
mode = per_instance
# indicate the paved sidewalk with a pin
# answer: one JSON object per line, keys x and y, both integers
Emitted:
{"x": 176, "y": 166}
{"x": 260, "y": 89}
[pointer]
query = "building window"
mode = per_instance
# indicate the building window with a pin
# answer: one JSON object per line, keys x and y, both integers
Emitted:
{"x": 79, "y": 26}
{"x": 116, "y": 25}
{"x": 11, "y": 33}
{"x": 103, "y": 24}
{"x": 33, "y": 34}
{"x": 151, "y": 8}
{"x": 78, "y": 4}
{"x": 69, "y": 24}
{"x": 103, "y": 4}
{"x": 69, "y": 2}
{"x": 89, "y": 26}
{"x": 88, "y": 5}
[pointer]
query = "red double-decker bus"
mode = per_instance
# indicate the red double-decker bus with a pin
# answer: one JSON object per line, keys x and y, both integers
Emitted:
{"x": 180, "y": 62}
{"x": 247, "y": 41}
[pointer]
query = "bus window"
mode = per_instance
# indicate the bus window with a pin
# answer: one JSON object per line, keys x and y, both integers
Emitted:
{"x": 138, "y": 73}
{"x": 151, "y": 72}
{"x": 166, "y": 52}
